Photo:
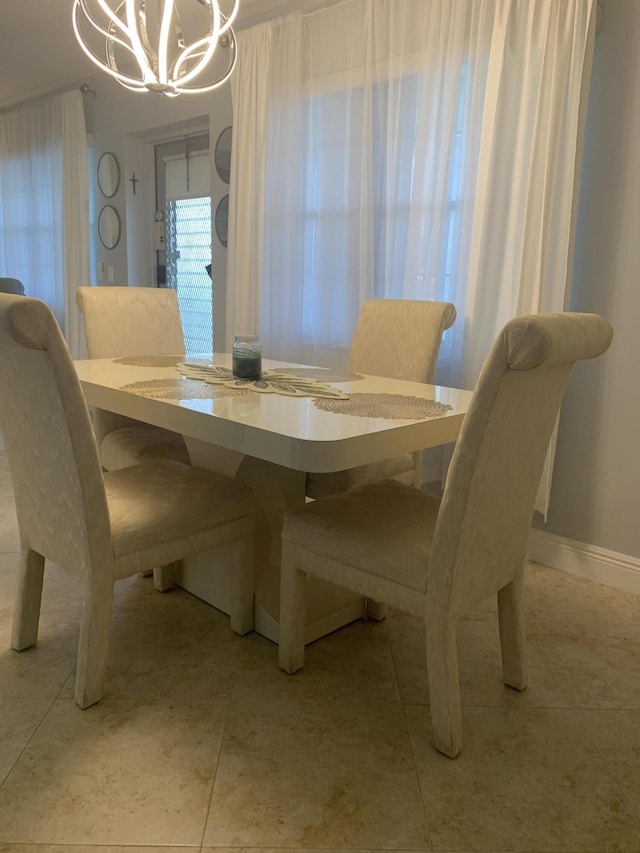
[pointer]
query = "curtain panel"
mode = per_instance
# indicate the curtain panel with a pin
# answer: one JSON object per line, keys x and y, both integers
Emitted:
{"x": 44, "y": 205}
{"x": 416, "y": 149}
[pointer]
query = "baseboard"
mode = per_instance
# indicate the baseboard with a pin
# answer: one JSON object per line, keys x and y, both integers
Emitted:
{"x": 586, "y": 561}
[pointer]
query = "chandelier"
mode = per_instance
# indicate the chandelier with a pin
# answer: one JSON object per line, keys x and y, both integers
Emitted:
{"x": 147, "y": 46}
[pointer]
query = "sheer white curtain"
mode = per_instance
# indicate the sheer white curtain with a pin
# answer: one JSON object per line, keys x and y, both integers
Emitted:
{"x": 44, "y": 204}
{"x": 421, "y": 149}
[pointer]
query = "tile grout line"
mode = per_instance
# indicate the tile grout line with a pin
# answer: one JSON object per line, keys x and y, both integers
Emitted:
{"x": 213, "y": 781}
{"x": 25, "y": 747}
{"x": 413, "y": 754}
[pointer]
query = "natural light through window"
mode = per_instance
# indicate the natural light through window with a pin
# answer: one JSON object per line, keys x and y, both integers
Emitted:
{"x": 353, "y": 188}
{"x": 188, "y": 256}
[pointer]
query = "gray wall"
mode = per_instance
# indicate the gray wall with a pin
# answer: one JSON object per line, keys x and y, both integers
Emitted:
{"x": 596, "y": 490}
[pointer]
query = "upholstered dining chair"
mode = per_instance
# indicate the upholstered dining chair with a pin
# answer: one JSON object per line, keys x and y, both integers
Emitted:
{"x": 439, "y": 558}
{"x": 11, "y": 285}
{"x": 132, "y": 321}
{"x": 100, "y": 527}
{"x": 399, "y": 339}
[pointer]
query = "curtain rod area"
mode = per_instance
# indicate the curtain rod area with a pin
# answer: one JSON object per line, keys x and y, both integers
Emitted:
{"x": 85, "y": 88}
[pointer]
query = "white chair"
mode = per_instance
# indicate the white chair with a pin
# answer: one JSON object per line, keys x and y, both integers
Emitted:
{"x": 438, "y": 559}
{"x": 400, "y": 339}
{"x": 132, "y": 321}
{"x": 99, "y": 527}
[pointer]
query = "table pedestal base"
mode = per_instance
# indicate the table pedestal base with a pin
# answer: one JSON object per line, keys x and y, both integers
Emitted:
{"x": 276, "y": 491}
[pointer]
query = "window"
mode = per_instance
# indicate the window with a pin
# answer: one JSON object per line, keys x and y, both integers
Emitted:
{"x": 188, "y": 246}
{"x": 363, "y": 176}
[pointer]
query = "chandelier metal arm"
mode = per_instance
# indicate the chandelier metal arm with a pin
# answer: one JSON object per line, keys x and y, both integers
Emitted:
{"x": 128, "y": 82}
{"x": 108, "y": 34}
{"x": 165, "y": 61}
{"x": 134, "y": 13}
{"x": 211, "y": 44}
{"x": 115, "y": 21}
{"x": 219, "y": 82}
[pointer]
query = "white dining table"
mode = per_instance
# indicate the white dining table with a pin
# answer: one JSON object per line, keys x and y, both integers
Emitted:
{"x": 270, "y": 442}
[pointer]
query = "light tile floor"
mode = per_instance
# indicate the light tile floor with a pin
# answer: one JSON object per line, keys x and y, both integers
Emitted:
{"x": 202, "y": 744}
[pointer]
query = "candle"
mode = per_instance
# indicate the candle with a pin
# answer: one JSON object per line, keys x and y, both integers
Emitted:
{"x": 247, "y": 357}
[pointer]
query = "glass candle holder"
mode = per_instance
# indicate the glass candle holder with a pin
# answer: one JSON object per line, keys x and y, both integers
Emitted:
{"x": 247, "y": 357}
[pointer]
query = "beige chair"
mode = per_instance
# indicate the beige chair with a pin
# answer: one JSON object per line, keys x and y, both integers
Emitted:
{"x": 439, "y": 558}
{"x": 131, "y": 321}
{"x": 400, "y": 339}
{"x": 99, "y": 527}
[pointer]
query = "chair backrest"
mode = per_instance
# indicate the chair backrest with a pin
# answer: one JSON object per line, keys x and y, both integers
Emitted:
{"x": 11, "y": 285}
{"x": 128, "y": 321}
{"x": 400, "y": 338}
{"x": 60, "y": 495}
{"x": 483, "y": 525}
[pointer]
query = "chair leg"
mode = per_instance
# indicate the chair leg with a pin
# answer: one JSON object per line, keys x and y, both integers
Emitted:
{"x": 93, "y": 645}
{"x": 292, "y": 612}
{"x": 513, "y": 638}
{"x": 242, "y": 586}
{"x": 417, "y": 469}
{"x": 376, "y": 611}
{"x": 163, "y": 577}
{"x": 444, "y": 687}
{"x": 28, "y": 597}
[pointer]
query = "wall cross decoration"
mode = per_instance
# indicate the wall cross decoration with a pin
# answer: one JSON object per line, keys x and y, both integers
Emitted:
{"x": 134, "y": 181}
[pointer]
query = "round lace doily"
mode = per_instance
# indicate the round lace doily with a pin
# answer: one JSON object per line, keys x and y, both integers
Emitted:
{"x": 180, "y": 389}
{"x": 387, "y": 406}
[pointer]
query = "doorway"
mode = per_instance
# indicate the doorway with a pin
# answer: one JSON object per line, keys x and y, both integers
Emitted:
{"x": 183, "y": 237}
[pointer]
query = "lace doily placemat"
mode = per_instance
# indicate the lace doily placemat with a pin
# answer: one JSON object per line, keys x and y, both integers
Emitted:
{"x": 388, "y": 406}
{"x": 323, "y": 374}
{"x": 180, "y": 389}
{"x": 271, "y": 382}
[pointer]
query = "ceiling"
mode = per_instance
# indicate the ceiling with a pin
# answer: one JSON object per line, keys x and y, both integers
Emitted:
{"x": 39, "y": 53}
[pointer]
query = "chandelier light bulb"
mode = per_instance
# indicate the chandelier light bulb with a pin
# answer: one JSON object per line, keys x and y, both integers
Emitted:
{"x": 166, "y": 46}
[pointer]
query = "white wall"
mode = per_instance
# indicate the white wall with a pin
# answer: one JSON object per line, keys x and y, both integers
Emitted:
{"x": 596, "y": 490}
{"x": 128, "y": 123}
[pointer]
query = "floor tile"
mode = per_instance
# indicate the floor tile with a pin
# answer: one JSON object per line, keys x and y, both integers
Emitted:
{"x": 201, "y": 738}
{"x": 598, "y": 667}
{"x": 526, "y": 780}
{"x": 91, "y": 848}
{"x": 352, "y": 662}
{"x": 173, "y": 645}
{"x": 480, "y": 663}
{"x": 117, "y": 773}
{"x": 616, "y": 735}
{"x": 19, "y": 719}
{"x": 43, "y": 669}
{"x": 333, "y": 775}
{"x": 555, "y": 597}
{"x": 300, "y": 850}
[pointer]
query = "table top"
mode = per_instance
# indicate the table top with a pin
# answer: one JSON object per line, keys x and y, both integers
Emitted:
{"x": 289, "y": 431}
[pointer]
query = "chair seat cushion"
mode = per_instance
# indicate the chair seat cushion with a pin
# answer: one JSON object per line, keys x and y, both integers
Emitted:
{"x": 397, "y": 468}
{"x": 193, "y": 501}
{"x": 132, "y": 445}
{"x": 384, "y": 528}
